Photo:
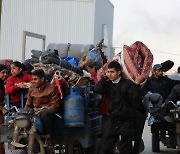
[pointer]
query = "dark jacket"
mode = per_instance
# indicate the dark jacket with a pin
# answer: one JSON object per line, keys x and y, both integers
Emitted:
{"x": 163, "y": 85}
{"x": 143, "y": 91}
{"x": 122, "y": 97}
{"x": 174, "y": 95}
{"x": 2, "y": 92}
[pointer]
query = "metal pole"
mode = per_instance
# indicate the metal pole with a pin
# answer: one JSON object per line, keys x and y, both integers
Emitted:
{"x": 43, "y": 44}
{"x": 23, "y": 46}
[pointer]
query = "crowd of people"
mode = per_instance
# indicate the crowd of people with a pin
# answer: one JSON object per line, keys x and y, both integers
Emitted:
{"x": 123, "y": 114}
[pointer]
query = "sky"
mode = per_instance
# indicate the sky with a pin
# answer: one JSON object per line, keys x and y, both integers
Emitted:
{"x": 156, "y": 23}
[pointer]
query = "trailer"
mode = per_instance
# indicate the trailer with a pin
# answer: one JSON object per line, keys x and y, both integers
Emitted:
{"x": 70, "y": 140}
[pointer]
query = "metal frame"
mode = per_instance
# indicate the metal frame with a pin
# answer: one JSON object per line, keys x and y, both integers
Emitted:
{"x": 34, "y": 35}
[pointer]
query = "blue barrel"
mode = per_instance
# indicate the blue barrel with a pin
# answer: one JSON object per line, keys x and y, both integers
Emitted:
{"x": 74, "y": 108}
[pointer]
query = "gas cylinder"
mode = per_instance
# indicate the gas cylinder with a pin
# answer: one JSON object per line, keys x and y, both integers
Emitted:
{"x": 74, "y": 108}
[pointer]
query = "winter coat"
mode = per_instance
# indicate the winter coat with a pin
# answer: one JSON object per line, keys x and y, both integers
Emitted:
{"x": 2, "y": 92}
{"x": 163, "y": 85}
{"x": 122, "y": 97}
{"x": 47, "y": 95}
{"x": 12, "y": 89}
{"x": 174, "y": 95}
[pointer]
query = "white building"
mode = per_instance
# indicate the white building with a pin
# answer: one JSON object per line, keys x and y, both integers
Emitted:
{"x": 61, "y": 21}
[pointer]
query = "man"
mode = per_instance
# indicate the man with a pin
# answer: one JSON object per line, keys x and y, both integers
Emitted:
{"x": 122, "y": 95}
{"x": 43, "y": 94}
{"x": 162, "y": 85}
{"x": 3, "y": 75}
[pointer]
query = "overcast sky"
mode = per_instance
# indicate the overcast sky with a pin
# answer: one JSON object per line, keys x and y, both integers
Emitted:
{"x": 156, "y": 23}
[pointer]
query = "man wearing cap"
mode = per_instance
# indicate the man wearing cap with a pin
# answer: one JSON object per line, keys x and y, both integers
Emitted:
{"x": 163, "y": 85}
{"x": 3, "y": 75}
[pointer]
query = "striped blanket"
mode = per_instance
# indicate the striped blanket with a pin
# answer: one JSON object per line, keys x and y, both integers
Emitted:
{"x": 136, "y": 60}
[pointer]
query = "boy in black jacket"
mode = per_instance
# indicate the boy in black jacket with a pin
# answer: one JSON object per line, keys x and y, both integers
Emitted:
{"x": 122, "y": 96}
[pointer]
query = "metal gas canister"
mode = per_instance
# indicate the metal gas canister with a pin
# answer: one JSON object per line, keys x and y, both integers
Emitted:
{"x": 74, "y": 108}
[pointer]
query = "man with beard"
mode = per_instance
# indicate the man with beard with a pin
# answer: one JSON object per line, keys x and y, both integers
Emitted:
{"x": 162, "y": 85}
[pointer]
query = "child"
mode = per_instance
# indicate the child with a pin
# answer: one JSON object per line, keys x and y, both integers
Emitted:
{"x": 16, "y": 82}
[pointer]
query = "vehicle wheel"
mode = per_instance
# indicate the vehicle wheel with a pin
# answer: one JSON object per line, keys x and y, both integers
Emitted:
{"x": 155, "y": 142}
{"x": 18, "y": 151}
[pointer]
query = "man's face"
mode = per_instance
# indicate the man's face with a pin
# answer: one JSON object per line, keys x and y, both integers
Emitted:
{"x": 158, "y": 73}
{"x": 112, "y": 74}
{"x": 3, "y": 74}
{"x": 37, "y": 81}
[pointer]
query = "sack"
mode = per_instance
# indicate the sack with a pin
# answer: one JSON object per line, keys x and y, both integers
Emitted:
{"x": 71, "y": 60}
{"x": 167, "y": 65}
{"x": 92, "y": 59}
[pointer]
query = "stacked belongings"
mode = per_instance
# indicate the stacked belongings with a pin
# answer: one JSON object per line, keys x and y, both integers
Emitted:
{"x": 50, "y": 61}
{"x": 136, "y": 61}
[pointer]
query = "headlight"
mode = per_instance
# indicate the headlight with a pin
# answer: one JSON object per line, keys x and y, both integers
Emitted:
{"x": 22, "y": 121}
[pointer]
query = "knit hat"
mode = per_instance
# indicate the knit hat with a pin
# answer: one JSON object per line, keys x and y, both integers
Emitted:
{"x": 3, "y": 67}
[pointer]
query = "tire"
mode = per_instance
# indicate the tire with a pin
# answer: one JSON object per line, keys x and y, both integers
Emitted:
{"x": 155, "y": 142}
{"x": 18, "y": 151}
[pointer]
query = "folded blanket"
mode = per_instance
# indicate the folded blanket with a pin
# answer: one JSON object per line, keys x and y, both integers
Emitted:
{"x": 135, "y": 60}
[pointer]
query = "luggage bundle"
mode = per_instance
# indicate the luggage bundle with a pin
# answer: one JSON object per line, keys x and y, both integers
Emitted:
{"x": 71, "y": 70}
{"x": 136, "y": 60}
